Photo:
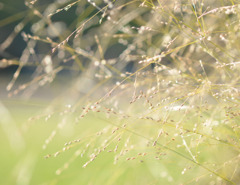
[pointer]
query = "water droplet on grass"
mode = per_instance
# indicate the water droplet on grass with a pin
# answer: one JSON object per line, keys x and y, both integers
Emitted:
{"x": 67, "y": 7}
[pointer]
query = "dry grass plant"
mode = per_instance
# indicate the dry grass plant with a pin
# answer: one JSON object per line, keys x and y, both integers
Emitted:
{"x": 161, "y": 78}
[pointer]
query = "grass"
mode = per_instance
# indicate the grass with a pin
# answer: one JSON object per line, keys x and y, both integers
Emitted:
{"x": 141, "y": 92}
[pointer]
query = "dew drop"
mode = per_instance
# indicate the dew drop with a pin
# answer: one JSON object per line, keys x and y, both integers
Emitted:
{"x": 66, "y": 8}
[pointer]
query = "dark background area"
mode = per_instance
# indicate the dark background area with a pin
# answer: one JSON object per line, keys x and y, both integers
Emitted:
{"x": 12, "y": 13}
